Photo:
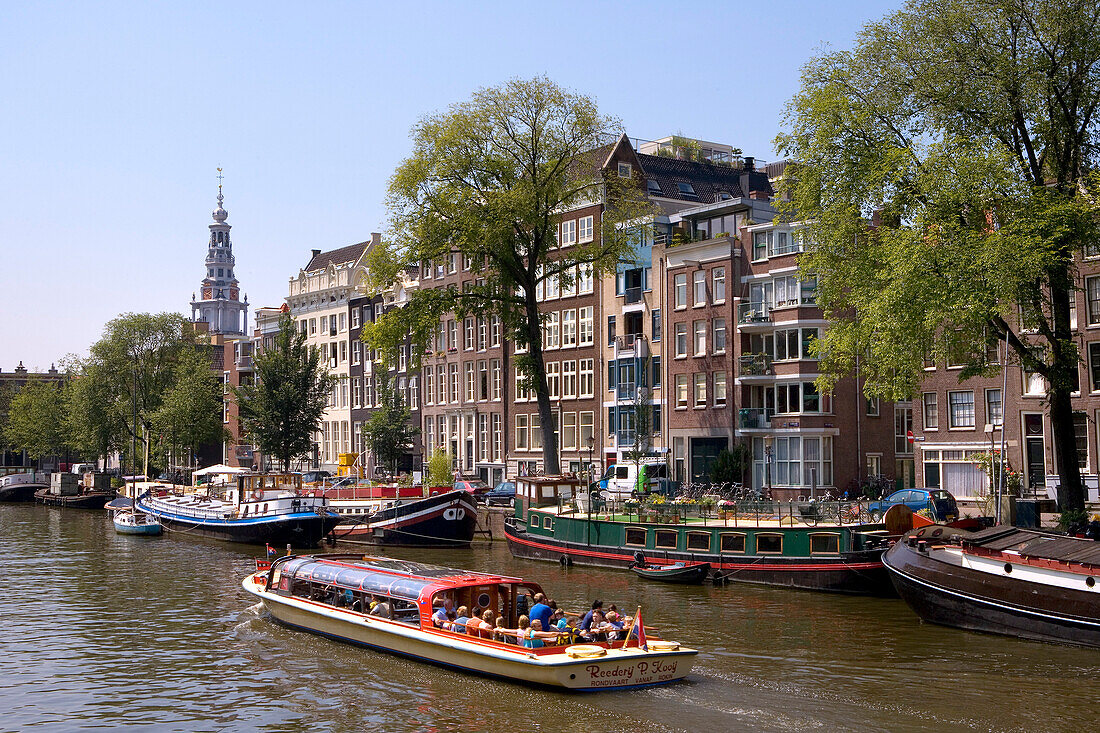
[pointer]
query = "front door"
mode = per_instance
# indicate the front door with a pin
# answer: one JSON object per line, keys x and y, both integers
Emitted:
{"x": 1034, "y": 454}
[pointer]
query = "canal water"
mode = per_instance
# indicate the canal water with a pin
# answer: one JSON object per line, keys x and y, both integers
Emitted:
{"x": 102, "y": 630}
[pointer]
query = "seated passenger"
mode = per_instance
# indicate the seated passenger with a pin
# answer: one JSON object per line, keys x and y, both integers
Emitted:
{"x": 462, "y": 616}
{"x": 614, "y": 626}
{"x": 586, "y": 622}
{"x": 481, "y": 627}
{"x": 444, "y": 615}
{"x": 382, "y": 609}
{"x": 541, "y": 610}
{"x": 534, "y": 637}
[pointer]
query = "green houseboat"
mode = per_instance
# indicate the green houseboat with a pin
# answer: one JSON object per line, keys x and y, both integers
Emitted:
{"x": 814, "y": 547}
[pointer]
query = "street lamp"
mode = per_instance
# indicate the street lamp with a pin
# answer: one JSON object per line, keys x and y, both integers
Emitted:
{"x": 768, "y": 463}
{"x": 994, "y": 470}
{"x": 591, "y": 445}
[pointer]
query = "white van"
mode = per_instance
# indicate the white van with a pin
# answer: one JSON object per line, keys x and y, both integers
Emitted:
{"x": 624, "y": 480}
{"x": 82, "y": 468}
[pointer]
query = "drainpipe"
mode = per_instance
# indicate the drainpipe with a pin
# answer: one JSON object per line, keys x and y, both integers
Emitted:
{"x": 859, "y": 433}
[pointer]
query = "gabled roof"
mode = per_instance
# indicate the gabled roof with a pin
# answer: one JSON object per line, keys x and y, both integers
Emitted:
{"x": 341, "y": 256}
{"x": 708, "y": 180}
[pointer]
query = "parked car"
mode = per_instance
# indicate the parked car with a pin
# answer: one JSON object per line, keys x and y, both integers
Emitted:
{"x": 475, "y": 486}
{"x": 628, "y": 480}
{"x": 503, "y": 494}
{"x": 315, "y": 477}
{"x": 940, "y": 504}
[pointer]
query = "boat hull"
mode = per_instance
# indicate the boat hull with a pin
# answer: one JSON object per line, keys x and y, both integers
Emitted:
{"x": 444, "y": 520}
{"x": 949, "y": 595}
{"x": 89, "y": 500}
{"x": 859, "y": 572}
{"x": 20, "y": 492}
{"x": 617, "y": 670}
{"x": 148, "y": 528}
{"x": 686, "y": 575}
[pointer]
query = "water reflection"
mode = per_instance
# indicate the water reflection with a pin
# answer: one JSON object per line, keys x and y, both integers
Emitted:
{"x": 146, "y": 633}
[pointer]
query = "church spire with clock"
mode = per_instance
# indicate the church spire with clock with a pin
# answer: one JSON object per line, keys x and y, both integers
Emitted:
{"x": 220, "y": 304}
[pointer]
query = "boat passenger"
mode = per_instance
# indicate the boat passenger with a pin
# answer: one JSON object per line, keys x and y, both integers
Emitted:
{"x": 500, "y": 633}
{"x": 614, "y": 625}
{"x": 541, "y": 611}
{"x": 382, "y": 609}
{"x": 462, "y": 617}
{"x": 586, "y": 622}
{"x": 444, "y": 615}
{"x": 482, "y": 627}
{"x": 534, "y": 637}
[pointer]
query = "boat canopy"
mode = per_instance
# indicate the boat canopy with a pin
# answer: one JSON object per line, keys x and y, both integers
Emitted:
{"x": 383, "y": 576}
{"x": 220, "y": 468}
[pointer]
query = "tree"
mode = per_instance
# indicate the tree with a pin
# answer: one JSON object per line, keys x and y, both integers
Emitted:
{"x": 388, "y": 432}
{"x": 282, "y": 409}
{"x": 730, "y": 466}
{"x": 35, "y": 419}
{"x": 486, "y": 182}
{"x": 92, "y": 426}
{"x": 965, "y": 131}
{"x": 190, "y": 414}
{"x": 440, "y": 469}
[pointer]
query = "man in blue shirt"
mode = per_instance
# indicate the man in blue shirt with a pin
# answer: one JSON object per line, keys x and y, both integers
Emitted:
{"x": 444, "y": 615}
{"x": 541, "y": 611}
{"x": 586, "y": 622}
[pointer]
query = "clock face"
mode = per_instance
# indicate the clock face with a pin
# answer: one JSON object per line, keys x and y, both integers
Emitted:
{"x": 207, "y": 293}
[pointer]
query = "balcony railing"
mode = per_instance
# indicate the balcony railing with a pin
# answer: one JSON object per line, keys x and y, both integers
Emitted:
{"x": 244, "y": 361}
{"x": 750, "y": 418}
{"x": 626, "y": 390}
{"x": 633, "y": 295}
{"x": 753, "y": 313}
{"x": 755, "y": 365}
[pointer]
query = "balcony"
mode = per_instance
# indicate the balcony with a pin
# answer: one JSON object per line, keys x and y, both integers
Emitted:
{"x": 754, "y": 314}
{"x": 626, "y": 390}
{"x": 753, "y": 418}
{"x": 755, "y": 365}
{"x": 244, "y": 361}
{"x": 633, "y": 295}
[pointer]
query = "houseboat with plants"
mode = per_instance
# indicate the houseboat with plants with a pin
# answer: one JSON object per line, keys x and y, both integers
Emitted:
{"x": 388, "y": 604}
{"x": 255, "y": 508}
{"x": 809, "y": 545}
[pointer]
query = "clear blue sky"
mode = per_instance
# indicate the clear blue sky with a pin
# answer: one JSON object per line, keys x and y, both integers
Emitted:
{"x": 117, "y": 115}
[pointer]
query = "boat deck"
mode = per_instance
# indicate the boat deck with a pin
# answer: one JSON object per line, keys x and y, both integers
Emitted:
{"x": 776, "y": 516}
{"x": 1034, "y": 546}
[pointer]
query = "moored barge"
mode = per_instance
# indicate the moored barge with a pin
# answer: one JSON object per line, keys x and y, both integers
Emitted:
{"x": 404, "y": 516}
{"x": 771, "y": 544}
{"x": 1002, "y": 580}
{"x": 330, "y": 595}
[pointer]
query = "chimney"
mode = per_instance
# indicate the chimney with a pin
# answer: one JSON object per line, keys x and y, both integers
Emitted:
{"x": 375, "y": 238}
{"x": 315, "y": 252}
{"x": 759, "y": 195}
{"x": 750, "y": 163}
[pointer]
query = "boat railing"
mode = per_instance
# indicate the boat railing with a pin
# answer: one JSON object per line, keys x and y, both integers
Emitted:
{"x": 747, "y": 512}
{"x": 195, "y": 509}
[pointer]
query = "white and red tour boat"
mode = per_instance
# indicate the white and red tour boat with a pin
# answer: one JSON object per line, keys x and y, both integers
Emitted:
{"x": 331, "y": 595}
{"x": 408, "y": 516}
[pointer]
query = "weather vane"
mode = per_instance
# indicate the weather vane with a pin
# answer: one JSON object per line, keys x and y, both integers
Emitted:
{"x": 220, "y": 176}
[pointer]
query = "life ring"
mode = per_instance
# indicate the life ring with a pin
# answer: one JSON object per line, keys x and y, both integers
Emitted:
{"x": 257, "y": 495}
{"x": 659, "y": 645}
{"x": 585, "y": 651}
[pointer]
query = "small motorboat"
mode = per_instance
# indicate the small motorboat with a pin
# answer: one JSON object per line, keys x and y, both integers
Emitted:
{"x": 129, "y": 522}
{"x": 686, "y": 573}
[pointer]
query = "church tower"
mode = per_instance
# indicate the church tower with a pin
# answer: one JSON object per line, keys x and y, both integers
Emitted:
{"x": 220, "y": 304}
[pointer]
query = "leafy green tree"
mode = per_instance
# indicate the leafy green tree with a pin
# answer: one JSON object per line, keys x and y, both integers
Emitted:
{"x": 282, "y": 409}
{"x": 967, "y": 129}
{"x": 730, "y": 466}
{"x": 35, "y": 420}
{"x": 190, "y": 414}
{"x": 92, "y": 424}
{"x": 440, "y": 469}
{"x": 486, "y": 182}
{"x": 388, "y": 432}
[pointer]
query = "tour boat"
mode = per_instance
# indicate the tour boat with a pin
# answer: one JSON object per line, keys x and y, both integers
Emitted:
{"x": 404, "y": 516}
{"x": 22, "y": 486}
{"x": 1002, "y": 580}
{"x": 769, "y": 543}
{"x": 254, "y": 508}
{"x": 329, "y": 594}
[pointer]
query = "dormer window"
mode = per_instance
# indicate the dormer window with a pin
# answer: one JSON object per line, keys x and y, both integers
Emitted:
{"x": 687, "y": 190}
{"x": 625, "y": 170}
{"x": 724, "y": 196}
{"x": 653, "y": 186}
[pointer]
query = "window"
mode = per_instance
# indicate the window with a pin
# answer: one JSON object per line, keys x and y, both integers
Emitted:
{"x": 1081, "y": 439}
{"x": 656, "y": 325}
{"x": 568, "y": 283}
{"x": 931, "y": 411}
{"x": 452, "y": 387}
{"x": 700, "y": 330}
{"x": 441, "y": 385}
{"x": 1094, "y": 364}
{"x": 552, "y": 330}
{"x": 635, "y": 536}
{"x": 470, "y": 380}
{"x": 343, "y": 322}
{"x": 653, "y": 187}
{"x": 468, "y": 334}
{"x": 569, "y": 430}
{"x": 961, "y": 409}
{"x": 497, "y": 376}
{"x": 656, "y": 364}
{"x": 356, "y": 351}
{"x": 624, "y": 170}
{"x": 569, "y": 327}
{"x": 585, "y": 229}
{"x": 699, "y": 287}
{"x": 719, "y": 335}
{"x": 667, "y": 538}
{"x": 698, "y": 541}
{"x": 553, "y": 283}
{"x": 498, "y": 437}
{"x": 587, "y": 378}
{"x": 610, "y": 330}
{"x": 585, "y": 334}
{"x": 719, "y": 389}
{"x": 452, "y": 335}
{"x": 584, "y": 279}
{"x": 494, "y": 331}
{"x": 1092, "y": 296}
{"x": 587, "y": 433}
{"x": 680, "y": 290}
{"x": 700, "y": 389}
{"x": 687, "y": 190}
{"x": 553, "y": 379}
{"x": 824, "y": 544}
{"x": 522, "y": 434}
{"x": 872, "y": 407}
{"x": 569, "y": 379}
{"x": 681, "y": 391}
{"x": 718, "y": 284}
{"x": 482, "y": 334}
{"x": 681, "y": 339}
{"x": 769, "y": 544}
{"x": 994, "y": 407}
{"x": 355, "y": 318}
{"x": 731, "y": 542}
{"x": 760, "y": 245}
{"x": 536, "y": 433}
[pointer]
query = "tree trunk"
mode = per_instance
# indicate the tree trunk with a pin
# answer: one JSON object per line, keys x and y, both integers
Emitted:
{"x": 542, "y": 390}
{"x": 1063, "y": 380}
